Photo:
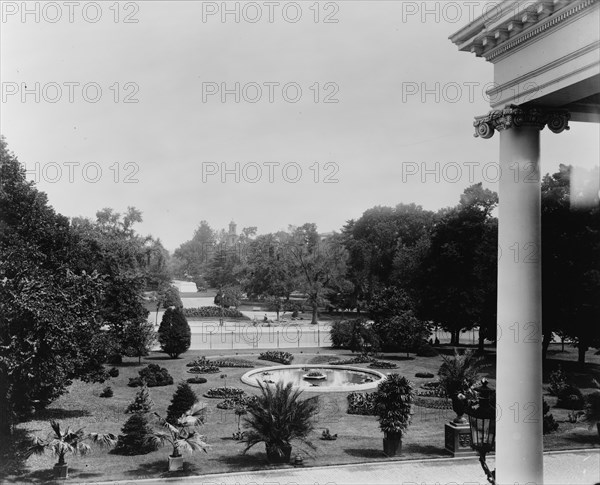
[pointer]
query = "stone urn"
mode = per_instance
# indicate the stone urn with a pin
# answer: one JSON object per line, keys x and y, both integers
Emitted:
{"x": 459, "y": 406}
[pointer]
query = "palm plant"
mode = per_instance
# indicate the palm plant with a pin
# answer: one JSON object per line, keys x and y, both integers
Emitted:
{"x": 183, "y": 435}
{"x": 62, "y": 442}
{"x": 457, "y": 375}
{"x": 277, "y": 418}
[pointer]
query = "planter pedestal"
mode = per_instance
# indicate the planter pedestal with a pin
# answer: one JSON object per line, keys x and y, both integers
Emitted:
{"x": 458, "y": 439}
{"x": 175, "y": 463}
{"x": 61, "y": 471}
{"x": 392, "y": 444}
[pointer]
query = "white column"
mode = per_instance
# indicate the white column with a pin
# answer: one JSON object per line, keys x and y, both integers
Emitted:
{"x": 519, "y": 446}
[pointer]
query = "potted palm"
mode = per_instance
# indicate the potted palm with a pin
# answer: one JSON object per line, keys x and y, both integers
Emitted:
{"x": 392, "y": 402}
{"x": 182, "y": 436}
{"x": 278, "y": 417}
{"x": 457, "y": 375}
{"x": 63, "y": 442}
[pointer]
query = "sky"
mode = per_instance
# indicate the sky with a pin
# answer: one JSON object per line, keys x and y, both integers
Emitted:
{"x": 266, "y": 113}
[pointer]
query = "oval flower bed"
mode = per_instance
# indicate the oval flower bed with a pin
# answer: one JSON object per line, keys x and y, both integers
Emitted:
{"x": 224, "y": 392}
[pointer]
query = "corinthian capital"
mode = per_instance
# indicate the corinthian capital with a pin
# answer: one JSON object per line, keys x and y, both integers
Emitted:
{"x": 516, "y": 116}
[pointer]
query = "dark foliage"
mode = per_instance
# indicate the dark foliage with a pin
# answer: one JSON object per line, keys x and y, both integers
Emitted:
{"x": 134, "y": 440}
{"x": 277, "y": 356}
{"x": 196, "y": 380}
{"x": 183, "y": 399}
{"x": 277, "y": 418}
{"x": 174, "y": 333}
{"x": 549, "y": 424}
{"x": 107, "y": 392}
{"x": 570, "y": 397}
{"x": 142, "y": 403}
{"x": 153, "y": 376}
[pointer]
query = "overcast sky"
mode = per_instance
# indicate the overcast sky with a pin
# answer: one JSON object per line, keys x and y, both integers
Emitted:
{"x": 380, "y": 65}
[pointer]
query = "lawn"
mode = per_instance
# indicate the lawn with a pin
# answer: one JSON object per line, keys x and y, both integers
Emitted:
{"x": 359, "y": 438}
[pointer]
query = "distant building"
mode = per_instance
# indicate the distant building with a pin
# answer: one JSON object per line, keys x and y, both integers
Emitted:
{"x": 232, "y": 237}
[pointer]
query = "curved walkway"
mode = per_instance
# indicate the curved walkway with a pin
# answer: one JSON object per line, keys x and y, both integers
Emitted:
{"x": 560, "y": 468}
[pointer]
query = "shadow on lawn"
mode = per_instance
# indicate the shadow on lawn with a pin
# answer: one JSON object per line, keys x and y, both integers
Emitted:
{"x": 578, "y": 376}
{"x": 429, "y": 450}
{"x": 158, "y": 469}
{"x": 583, "y": 437}
{"x": 59, "y": 414}
{"x": 11, "y": 455}
{"x": 249, "y": 461}
{"x": 365, "y": 453}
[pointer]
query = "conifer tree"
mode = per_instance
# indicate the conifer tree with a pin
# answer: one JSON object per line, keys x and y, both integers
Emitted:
{"x": 174, "y": 333}
{"x": 142, "y": 403}
{"x": 134, "y": 440}
{"x": 183, "y": 399}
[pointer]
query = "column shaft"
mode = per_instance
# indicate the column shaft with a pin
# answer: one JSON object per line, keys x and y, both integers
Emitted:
{"x": 519, "y": 443}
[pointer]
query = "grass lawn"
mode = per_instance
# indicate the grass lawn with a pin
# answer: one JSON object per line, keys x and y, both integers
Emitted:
{"x": 359, "y": 437}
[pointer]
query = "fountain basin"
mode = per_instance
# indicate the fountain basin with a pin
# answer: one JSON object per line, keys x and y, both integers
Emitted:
{"x": 337, "y": 378}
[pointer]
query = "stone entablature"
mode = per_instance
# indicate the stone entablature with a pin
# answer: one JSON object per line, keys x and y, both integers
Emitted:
{"x": 514, "y": 23}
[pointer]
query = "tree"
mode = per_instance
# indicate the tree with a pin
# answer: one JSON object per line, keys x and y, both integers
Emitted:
{"x": 389, "y": 302}
{"x": 570, "y": 261}
{"x": 223, "y": 267}
{"x": 134, "y": 440}
{"x": 183, "y": 399}
{"x": 195, "y": 254}
{"x": 49, "y": 305}
{"x": 274, "y": 304}
{"x": 113, "y": 248}
{"x": 174, "y": 333}
{"x": 404, "y": 332}
{"x": 385, "y": 247}
{"x": 229, "y": 296}
{"x": 458, "y": 280}
{"x": 319, "y": 265}
{"x": 266, "y": 270}
{"x": 138, "y": 339}
{"x": 168, "y": 296}
{"x": 142, "y": 403}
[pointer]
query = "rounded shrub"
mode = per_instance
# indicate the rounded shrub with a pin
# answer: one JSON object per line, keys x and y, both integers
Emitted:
{"x": 196, "y": 380}
{"x": 107, "y": 392}
{"x": 153, "y": 375}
